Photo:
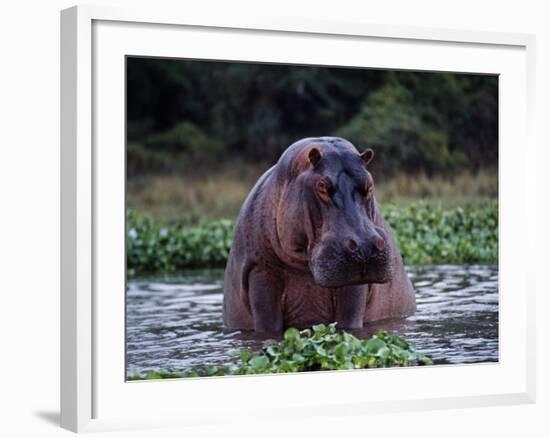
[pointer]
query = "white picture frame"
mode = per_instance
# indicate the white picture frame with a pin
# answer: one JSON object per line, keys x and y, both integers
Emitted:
{"x": 94, "y": 42}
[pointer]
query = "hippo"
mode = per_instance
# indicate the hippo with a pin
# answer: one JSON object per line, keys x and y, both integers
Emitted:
{"x": 311, "y": 246}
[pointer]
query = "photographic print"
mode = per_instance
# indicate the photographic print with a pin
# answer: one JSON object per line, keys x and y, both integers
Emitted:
{"x": 292, "y": 218}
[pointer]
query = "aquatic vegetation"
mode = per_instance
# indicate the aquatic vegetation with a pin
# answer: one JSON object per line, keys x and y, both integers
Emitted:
{"x": 320, "y": 347}
{"x": 425, "y": 235}
{"x": 153, "y": 247}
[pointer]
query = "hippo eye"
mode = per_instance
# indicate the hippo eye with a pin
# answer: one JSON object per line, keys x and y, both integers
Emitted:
{"x": 324, "y": 187}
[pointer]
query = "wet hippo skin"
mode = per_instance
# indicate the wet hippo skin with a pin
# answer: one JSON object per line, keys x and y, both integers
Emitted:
{"x": 311, "y": 246}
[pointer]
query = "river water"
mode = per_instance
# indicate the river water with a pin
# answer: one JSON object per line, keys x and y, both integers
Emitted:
{"x": 176, "y": 323}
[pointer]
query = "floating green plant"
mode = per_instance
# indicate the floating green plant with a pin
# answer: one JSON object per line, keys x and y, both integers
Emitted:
{"x": 320, "y": 347}
{"x": 424, "y": 234}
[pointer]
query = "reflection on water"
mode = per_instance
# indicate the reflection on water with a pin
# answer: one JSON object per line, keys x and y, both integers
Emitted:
{"x": 176, "y": 323}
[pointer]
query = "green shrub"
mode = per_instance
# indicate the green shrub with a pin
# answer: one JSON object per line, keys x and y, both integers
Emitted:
{"x": 320, "y": 347}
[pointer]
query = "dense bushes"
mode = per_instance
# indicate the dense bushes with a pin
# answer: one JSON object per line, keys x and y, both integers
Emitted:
{"x": 184, "y": 115}
{"x": 425, "y": 235}
{"x": 321, "y": 347}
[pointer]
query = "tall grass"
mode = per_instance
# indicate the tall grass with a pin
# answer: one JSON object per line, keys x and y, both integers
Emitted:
{"x": 195, "y": 198}
{"x": 452, "y": 190}
{"x": 191, "y": 198}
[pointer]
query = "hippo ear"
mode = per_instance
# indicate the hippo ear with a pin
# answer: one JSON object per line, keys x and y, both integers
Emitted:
{"x": 367, "y": 156}
{"x": 314, "y": 156}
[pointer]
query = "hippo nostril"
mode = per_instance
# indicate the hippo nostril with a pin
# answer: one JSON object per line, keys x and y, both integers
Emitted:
{"x": 352, "y": 245}
{"x": 379, "y": 243}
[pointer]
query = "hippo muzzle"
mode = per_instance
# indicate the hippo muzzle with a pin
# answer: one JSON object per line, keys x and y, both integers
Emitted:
{"x": 338, "y": 262}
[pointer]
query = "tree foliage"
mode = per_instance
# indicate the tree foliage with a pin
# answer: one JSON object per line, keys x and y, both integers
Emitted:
{"x": 189, "y": 115}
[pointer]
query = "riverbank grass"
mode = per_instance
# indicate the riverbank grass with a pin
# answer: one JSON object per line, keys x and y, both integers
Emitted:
{"x": 200, "y": 196}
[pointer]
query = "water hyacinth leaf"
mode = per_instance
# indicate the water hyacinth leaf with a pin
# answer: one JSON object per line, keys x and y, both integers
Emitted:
{"x": 233, "y": 369}
{"x": 320, "y": 329}
{"x": 340, "y": 352}
{"x": 210, "y": 370}
{"x": 259, "y": 362}
{"x": 272, "y": 351}
{"x": 374, "y": 345}
{"x": 300, "y": 344}
{"x": 426, "y": 360}
{"x": 425, "y": 235}
{"x": 291, "y": 334}
{"x": 298, "y": 357}
{"x": 306, "y": 350}
{"x": 320, "y": 351}
{"x": 400, "y": 342}
{"x": 384, "y": 352}
{"x": 234, "y": 353}
{"x": 245, "y": 356}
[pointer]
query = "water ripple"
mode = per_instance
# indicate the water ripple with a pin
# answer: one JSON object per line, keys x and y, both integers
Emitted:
{"x": 176, "y": 323}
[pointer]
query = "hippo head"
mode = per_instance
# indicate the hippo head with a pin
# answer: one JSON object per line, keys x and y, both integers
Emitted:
{"x": 328, "y": 217}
